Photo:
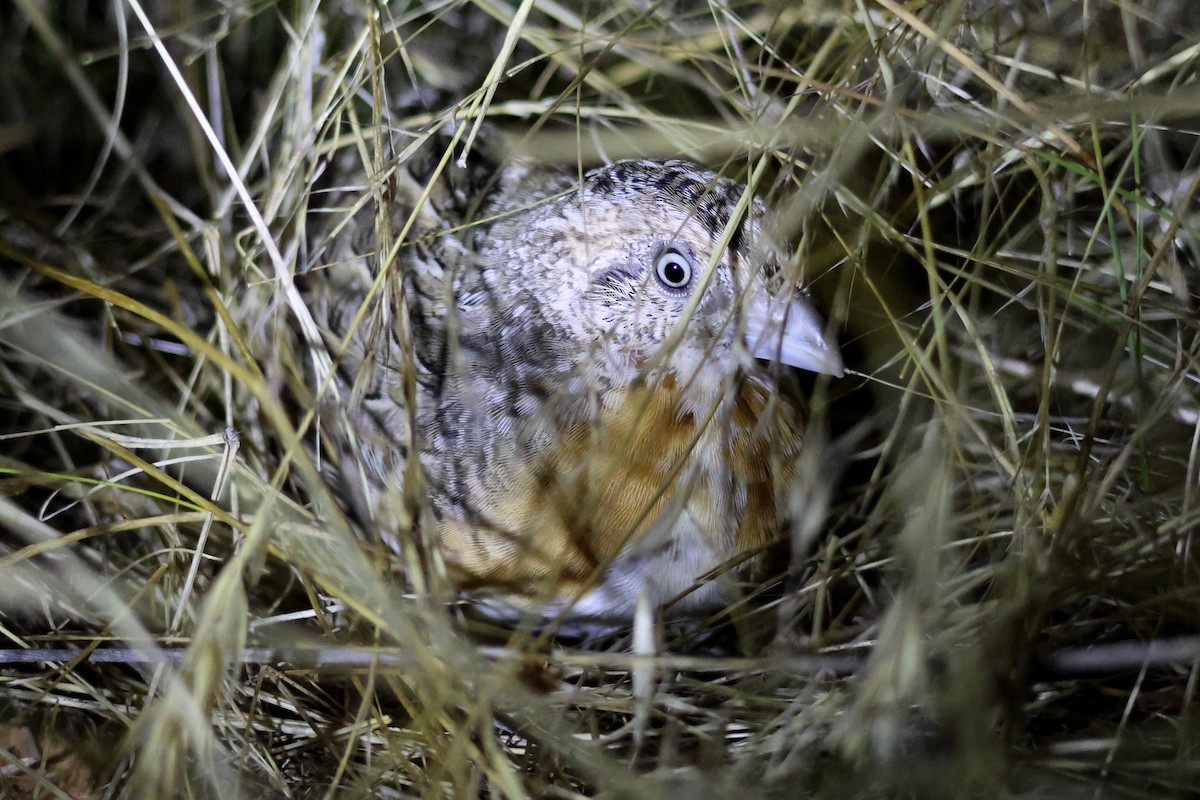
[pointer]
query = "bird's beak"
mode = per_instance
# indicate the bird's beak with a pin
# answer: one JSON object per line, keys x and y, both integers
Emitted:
{"x": 790, "y": 332}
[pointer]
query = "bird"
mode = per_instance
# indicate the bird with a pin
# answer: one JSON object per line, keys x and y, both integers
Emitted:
{"x": 578, "y": 374}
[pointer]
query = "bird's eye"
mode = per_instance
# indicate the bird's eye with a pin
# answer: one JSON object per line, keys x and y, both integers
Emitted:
{"x": 673, "y": 269}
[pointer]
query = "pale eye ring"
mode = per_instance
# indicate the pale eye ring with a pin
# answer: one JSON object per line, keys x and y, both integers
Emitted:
{"x": 673, "y": 269}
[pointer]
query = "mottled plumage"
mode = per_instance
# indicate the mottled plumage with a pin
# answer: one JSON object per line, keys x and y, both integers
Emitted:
{"x": 591, "y": 411}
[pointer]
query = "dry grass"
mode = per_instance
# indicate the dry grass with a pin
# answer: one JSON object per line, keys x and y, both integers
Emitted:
{"x": 994, "y": 590}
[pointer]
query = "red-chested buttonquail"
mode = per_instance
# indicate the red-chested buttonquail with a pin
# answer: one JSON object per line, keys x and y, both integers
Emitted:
{"x": 594, "y": 412}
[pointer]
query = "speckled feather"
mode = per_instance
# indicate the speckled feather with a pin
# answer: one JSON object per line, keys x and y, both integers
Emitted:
{"x": 586, "y": 431}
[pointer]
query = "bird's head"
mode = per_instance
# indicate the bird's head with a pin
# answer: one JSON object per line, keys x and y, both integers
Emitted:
{"x": 642, "y": 270}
